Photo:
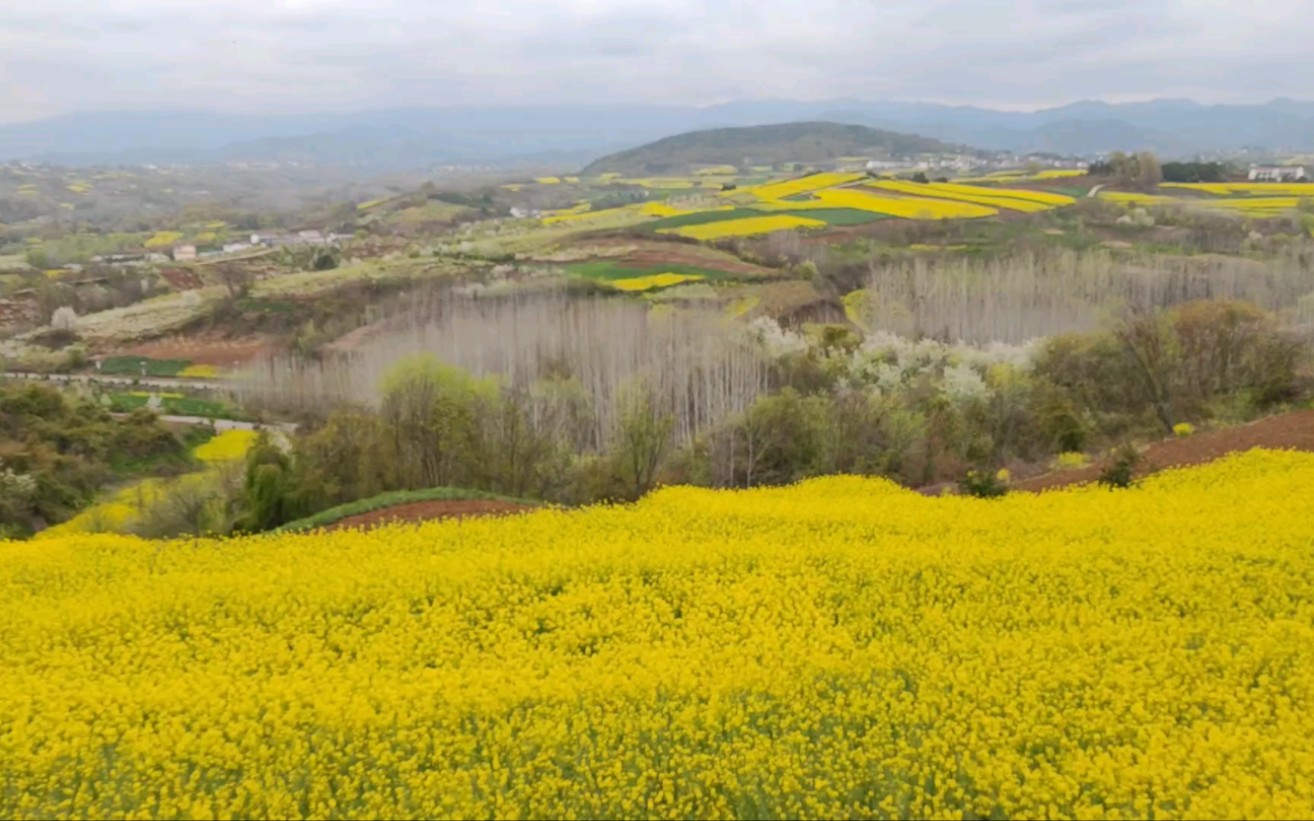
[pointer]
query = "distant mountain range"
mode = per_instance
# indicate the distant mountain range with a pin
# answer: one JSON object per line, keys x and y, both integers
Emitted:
{"x": 572, "y": 135}
{"x": 763, "y": 145}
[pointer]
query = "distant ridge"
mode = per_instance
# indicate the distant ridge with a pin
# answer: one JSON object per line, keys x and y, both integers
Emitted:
{"x": 764, "y": 145}
{"x": 411, "y": 138}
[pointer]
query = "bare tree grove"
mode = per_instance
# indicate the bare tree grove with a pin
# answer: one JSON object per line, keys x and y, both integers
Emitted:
{"x": 1016, "y": 298}
{"x": 700, "y": 370}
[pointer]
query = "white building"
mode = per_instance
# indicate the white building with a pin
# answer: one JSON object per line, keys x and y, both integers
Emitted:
{"x": 234, "y": 247}
{"x": 1278, "y": 173}
{"x": 184, "y": 253}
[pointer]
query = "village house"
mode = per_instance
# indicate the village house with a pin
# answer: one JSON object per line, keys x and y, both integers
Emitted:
{"x": 272, "y": 240}
{"x": 1278, "y": 173}
{"x": 184, "y": 253}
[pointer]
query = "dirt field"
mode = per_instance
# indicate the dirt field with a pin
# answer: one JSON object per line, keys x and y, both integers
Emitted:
{"x": 649, "y": 253}
{"x": 424, "y": 511}
{"x": 1293, "y": 431}
{"x": 204, "y": 349}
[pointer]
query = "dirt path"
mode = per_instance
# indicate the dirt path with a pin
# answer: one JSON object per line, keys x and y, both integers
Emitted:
{"x": 1292, "y": 431}
{"x": 424, "y": 511}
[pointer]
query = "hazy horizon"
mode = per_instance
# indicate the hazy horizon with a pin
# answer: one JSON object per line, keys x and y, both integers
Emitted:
{"x": 338, "y": 56}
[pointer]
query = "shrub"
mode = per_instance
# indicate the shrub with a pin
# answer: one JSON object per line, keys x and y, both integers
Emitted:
{"x": 1120, "y": 467}
{"x": 984, "y": 484}
{"x": 64, "y": 319}
{"x": 1183, "y": 429}
{"x": 1070, "y": 460}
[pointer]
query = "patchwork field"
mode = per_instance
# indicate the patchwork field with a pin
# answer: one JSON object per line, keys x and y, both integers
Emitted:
{"x": 811, "y": 202}
{"x": 1259, "y": 199}
{"x": 841, "y": 648}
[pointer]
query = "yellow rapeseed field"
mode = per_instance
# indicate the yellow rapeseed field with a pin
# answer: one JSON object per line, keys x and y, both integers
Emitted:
{"x": 123, "y": 509}
{"x": 228, "y": 446}
{"x": 1059, "y": 173}
{"x": 653, "y": 281}
{"x": 839, "y": 649}
{"x": 804, "y": 185}
{"x": 1046, "y": 197}
{"x": 1262, "y": 189}
{"x": 747, "y": 226}
{"x": 917, "y": 208}
{"x": 163, "y": 239}
{"x": 663, "y": 209}
{"x": 1275, "y": 205}
{"x": 199, "y": 372}
{"x": 992, "y": 197}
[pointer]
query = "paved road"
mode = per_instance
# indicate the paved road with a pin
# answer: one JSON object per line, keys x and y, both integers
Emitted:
{"x": 124, "y": 381}
{"x": 222, "y": 425}
{"x": 158, "y": 383}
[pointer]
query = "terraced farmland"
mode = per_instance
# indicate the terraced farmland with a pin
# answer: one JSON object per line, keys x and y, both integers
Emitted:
{"x": 746, "y": 227}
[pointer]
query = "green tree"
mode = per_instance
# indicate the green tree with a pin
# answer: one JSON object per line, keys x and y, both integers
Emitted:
{"x": 434, "y": 415}
{"x": 643, "y": 439}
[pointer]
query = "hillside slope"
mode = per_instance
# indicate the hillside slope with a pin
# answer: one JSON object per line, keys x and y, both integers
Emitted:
{"x": 764, "y": 145}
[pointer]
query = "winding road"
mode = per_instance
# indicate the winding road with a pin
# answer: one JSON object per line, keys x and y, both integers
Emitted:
{"x": 167, "y": 383}
{"x": 157, "y": 383}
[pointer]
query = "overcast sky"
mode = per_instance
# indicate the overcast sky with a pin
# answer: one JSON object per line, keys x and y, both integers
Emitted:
{"x": 59, "y": 56}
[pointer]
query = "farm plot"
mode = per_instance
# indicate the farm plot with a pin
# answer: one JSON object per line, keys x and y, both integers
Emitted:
{"x": 915, "y": 208}
{"x": 748, "y": 226}
{"x": 987, "y": 197}
{"x": 803, "y": 185}
{"x": 1250, "y": 189}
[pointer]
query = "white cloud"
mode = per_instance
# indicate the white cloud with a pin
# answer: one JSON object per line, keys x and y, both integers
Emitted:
{"x": 262, "y": 55}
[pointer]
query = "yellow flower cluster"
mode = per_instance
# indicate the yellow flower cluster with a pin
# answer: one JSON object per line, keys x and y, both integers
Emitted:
{"x": 199, "y": 372}
{"x": 662, "y": 209}
{"x": 653, "y": 282}
{"x": 163, "y": 239}
{"x": 228, "y": 446}
{"x": 1070, "y": 460}
{"x": 916, "y": 208}
{"x": 747, "y": 226}
{"x": 839, "y": 649}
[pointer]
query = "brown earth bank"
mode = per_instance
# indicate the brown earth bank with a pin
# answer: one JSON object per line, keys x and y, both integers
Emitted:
{"x": 426, "y": 511}
{"x": 645, "y": 253}
{"x": 1290, "y": 431}
{"x": 204, "y": 349}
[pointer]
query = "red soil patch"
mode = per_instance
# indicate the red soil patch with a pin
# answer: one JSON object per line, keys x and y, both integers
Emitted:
{"x": 1290, "y": 431}
{"x": 181, "y": 279}
{"x": 204, "y": 350}
{"x": 675, "y": 255}
{"x": 426, "y": 511}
